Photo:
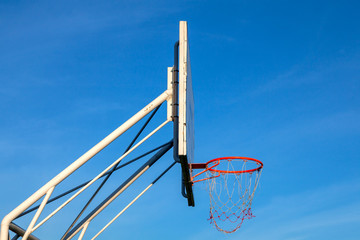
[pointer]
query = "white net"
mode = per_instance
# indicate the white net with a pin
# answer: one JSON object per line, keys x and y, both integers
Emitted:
{"x": 232, "y": 184}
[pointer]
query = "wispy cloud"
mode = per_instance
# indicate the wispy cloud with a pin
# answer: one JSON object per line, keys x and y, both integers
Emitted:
{"x": 338, "y": 123}
{"x": 289, "y": 77}
{"x": 39, "y": 27}
{"x": 80, "y": 19}
{"x": 300, "y": 75}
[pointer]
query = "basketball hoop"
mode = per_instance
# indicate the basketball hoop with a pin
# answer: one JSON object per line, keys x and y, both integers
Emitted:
{"x": 232, "y": 182}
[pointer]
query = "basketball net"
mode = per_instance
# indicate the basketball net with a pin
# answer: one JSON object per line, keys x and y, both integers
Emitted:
{"x": 231, "y": 191}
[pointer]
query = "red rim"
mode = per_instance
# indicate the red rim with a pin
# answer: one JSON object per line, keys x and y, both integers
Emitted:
{"x": 237, "y": 172}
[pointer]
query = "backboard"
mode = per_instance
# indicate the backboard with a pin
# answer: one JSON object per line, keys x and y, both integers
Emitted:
{"x": 186, "y": 111}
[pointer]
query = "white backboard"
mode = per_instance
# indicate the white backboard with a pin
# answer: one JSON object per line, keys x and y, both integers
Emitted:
{"x": 186, "y": 98}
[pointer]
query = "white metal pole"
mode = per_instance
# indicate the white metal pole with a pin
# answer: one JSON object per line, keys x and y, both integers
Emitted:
{"x": 29, "y": 230}
{"x": 122, "y": 211}
{"x": 99, "y": 175}
{"x": 80, "y": 161}
{"x": 119, "y": 190}
{"x": 83, "y": 231}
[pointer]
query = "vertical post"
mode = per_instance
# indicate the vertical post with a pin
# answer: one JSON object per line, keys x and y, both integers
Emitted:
{"x": 176, "y": 101}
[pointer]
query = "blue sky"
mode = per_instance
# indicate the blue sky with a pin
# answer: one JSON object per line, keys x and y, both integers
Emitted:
{"x": 274, "y": 80}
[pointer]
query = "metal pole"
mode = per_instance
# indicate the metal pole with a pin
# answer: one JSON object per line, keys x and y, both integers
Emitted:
{"x": 79, "y": 162}
{"x": 119, "y": 190}
{"x": 19, "y": 231}
{"x": 83, "y": 184}
{"x": 134, "y": 200}
{"x": 110, "y": 173}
